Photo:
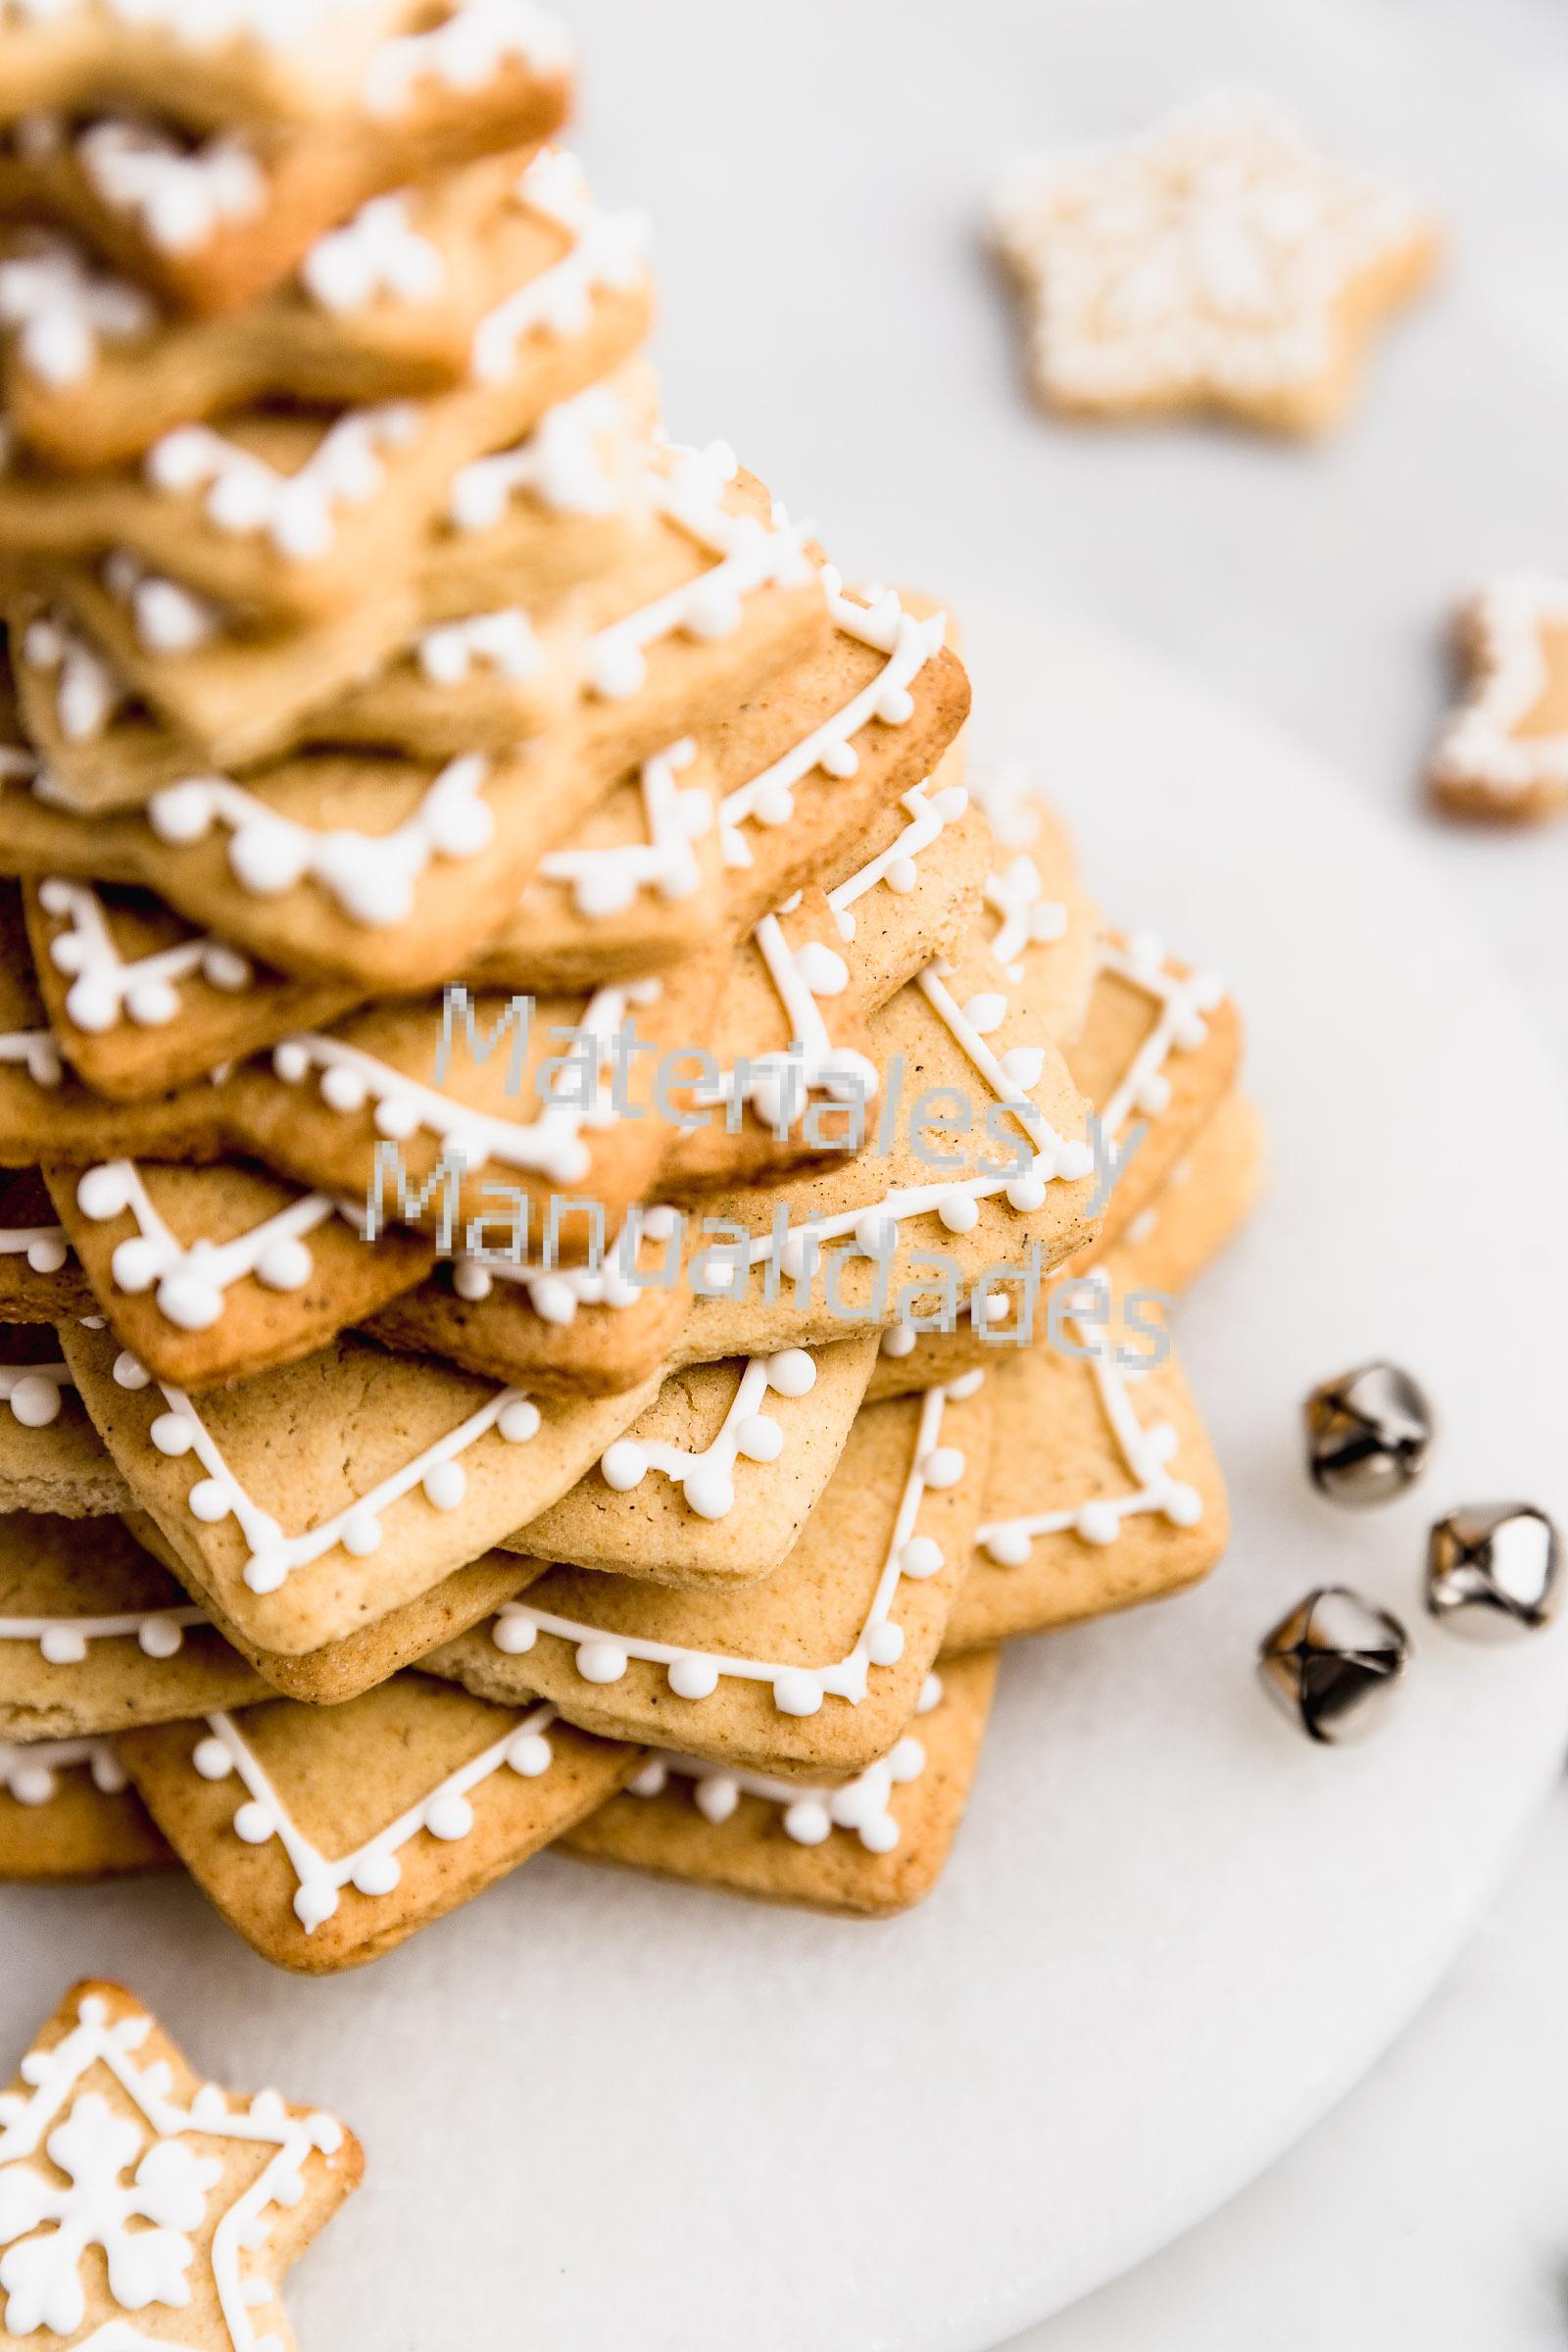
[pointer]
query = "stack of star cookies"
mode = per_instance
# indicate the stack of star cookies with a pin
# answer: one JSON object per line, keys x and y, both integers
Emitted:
{"x": 587, "y": 1227}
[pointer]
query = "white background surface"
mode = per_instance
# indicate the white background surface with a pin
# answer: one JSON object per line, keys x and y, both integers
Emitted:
{"x": 814, "y": 173}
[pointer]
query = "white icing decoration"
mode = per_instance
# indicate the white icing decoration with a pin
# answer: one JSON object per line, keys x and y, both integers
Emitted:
{"x": 35, "y": 1052}
{"x": 552, "y": 1143}
{"x": 560, "y": 464}
{"x": 809, "y": 1814}
{"x": 930, "y": 814}
{"x": 707, "y": 1479}
{"x": 171, "y": 2185}
{"x": 46, "y": 1248}
{"x": 504, "y": 642}
{"x": 695, "y": 1675}
{"x": 376, "y": 256}
{"x": 466, "y": 50}
{"x": 370, "y": 876}
{"x": 556, "y": 1292}
{"x": 777, "y": 1086}
{"x": 296, "y": 512}
{"x": 179, "y": 196}
{"x": 29, "y": 1773}
{"x": 1210, "y": 254}
{"x": 604, "y": 882}
{"x": 1014, "y": 803}
{"x": 609, "y": 252}
{"x": 107, "y": 988}
{"x": 371, "y": 1869}
{"x": 1479, "y": 744}
{"x": 32, "y": 1392}
{"x": 189, "y": 1280}
{"x": 66, "y": 1641}
{"x": 1181, "y": 1027}
{"x": 87, "y": 692}
{"x": 1025, "y": 916}
{"x": 274, "y": 1557}
{"x": 906, "y": 644}
{"x": 61, "y": 308}
{"x": 167, "y": 617}
{"x": 750, "y": 555}
{"x": 1146, "y": 1456}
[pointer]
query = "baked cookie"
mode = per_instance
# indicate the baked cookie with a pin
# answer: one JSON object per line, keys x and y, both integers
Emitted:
{"x": 325, "y": 1835}
{"x": 68, "y": 1812}
{"x": 1217, "y": 264}
{"x": 859, "y": 1849}
{"x": 1503, "y": 751}
{"x": 50, "y": 1457}
{"x": 137, "y": 2190}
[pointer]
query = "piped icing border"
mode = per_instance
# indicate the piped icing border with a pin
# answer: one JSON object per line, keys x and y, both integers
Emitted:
{"x": 189, "y": 1279}
{"x": 696, "y": 1673}
{"x": 1146, "y": 1456}
{"x": 605, "y": 881}
{"x": 159, "y": 1633}
{"x": 808, "y": 1814}
{"x": 30, "y": 1769}
{"x": 372, "y": 1868}
{"x": 53, "y": 2075}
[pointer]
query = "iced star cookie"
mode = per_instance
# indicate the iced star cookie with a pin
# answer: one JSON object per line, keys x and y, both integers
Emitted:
{"x": 814, "y": 1671}
{"x": 711, "y": 1483}
{"x": 219, "y": 197}
{"x": 143, "y": 2204}
{"x": 68, "y": 1812}
{"x": 1219, "y": 264}
{"x": 385, "y": 306}
{"x": 50, "y": 1457}
{"x": 312, "y": 1500}
{"x": 860, "y": 1848}
{"x": 1103, "y": 1489}
{"x": 96, "y": 1636}
{"x": 326, "y": 1836}
{"x": 1503, "y": 751}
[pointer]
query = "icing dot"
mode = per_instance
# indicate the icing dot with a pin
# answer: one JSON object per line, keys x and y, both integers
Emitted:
{"x": 224, "y": 967}
{"x": 209, "y": 1500}
{"x": 895, "y": 705}
{"x": 716, "y": 1797}
{"x": 1005, "y": 1548}
{"x": 212, "y": 1760}
{"x": 445, "y": 1486}
{"x": 161, "y": 1638}
{"x": 901, "y": 876}
{"x": 1026, "y": 1194}
{"x": 907, "y": 1760}
{"x": 90, "y": 1005}
{"x": 986, "y": 1011}
{"x": 650, "y": 1781}
{"x": 797, "y": 1694}
{"x": 839, "y": 759}
{"x": 314, "y": 1905}
{"x": 693, "y": 1677}
{"x": 760, "y": 1437}
{"x": 822, "y": 969}
{"x": 898, "y": 1341}
{"x": 46, "y": 1256}
{"x": 130, "y": 1374}
{"x": 1024, "y": 1067}
{"x": 376, "y": 1874}
{"x": 874, "y": 1233}
{"x": 879, "y": 1835}
{"x": 103, "y": 1194}
{"x": 35, "y": 1401}
{"x": 181, "y": 812}
{"x": 472, "y": 1281}
{"x": 707, "y": 1493}
{"x": 62, "y": 1645}
{"x": 921, "y": 1557}
{"x": 529, "y": 1755}
{"x": 1153, "y": 1093}
{"x": 601, "y": 1661}
{"x": 253, "y": 1823}
{"x": 1183, "y": 1505}
{"x": 884, "y": 1645}
{"x": 151, "y": 1004}
{"x": 343, "y": 1089}
{"x": 134, "y": 1265}
{"x": 808, "y": 1822}
{"x": 792, "y": 1372}
{"x": 1074, "y": 1161}
{"x": 284, "y": 1265}
{"x": 188, "y": 1302}
{"x": 32, "y": 1784}
{"x": 267, "y": 859}
{"x": 1097, "y": 1523}
{"x": 623, "y": 1466}
{"x": 362, "y": 1534}
{"x": 512, "y": 1633}
{"x": 958, "y": 1212}
{"x": 772, "y": 804}
{"x": 290, "y": 1060}
{"x": 519, "y": 1420}
{"x": 942, "y": 1467}
{"x": 930, "y": 1697}
{"x": 450, "y": 1816}
{"x": 173, "y": 1433}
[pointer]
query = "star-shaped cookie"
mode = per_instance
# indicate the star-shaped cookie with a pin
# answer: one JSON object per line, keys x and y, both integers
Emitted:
{"x": 1216, "y": 264}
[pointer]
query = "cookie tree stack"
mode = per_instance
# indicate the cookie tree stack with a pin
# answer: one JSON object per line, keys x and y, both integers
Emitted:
{"x": 452, "y": 827}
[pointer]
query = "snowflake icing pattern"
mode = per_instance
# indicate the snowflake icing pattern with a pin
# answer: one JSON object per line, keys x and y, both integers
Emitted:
{"x": 96, "y": 2147}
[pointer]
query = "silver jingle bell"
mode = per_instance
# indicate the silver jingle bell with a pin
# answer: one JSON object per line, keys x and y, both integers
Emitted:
{"x": 1332, "y": 1664}
{"x": 1368, "y": 1433}
{"x": 1491, "y": 1570}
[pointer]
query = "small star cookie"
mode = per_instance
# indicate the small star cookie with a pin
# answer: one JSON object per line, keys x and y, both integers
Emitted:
{"x": 1216, "y": 264}
{"x": 130, "y": 2190}
{"x": 1503, "y": 751}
